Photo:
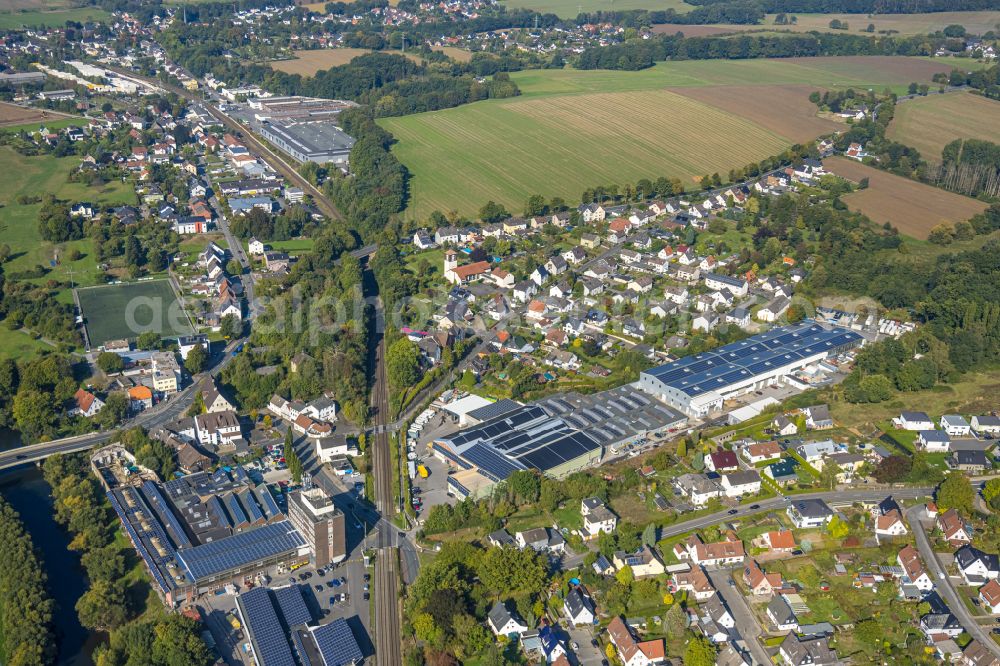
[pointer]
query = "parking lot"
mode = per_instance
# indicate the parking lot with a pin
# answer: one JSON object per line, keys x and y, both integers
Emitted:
{"x": 586, "y": 653}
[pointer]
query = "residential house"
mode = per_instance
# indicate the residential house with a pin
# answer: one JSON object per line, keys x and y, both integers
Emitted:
{"x": 722, "y": 461}
{"x": 698, "y": 488}
{"x": 818, "y": 417}
{"x": 941, "y": 623}
{"x": 986, "y": 424}
{"x": 579, "y": 607}
{"x": 795, "y": 651}
{"x": 504, "y": 621}
{"x": 913, "y": 569}
{"x": 592, "y": 212}
{"x": 86, "y": 404}
{"x": 934, "y": 441}
{"x": 781, "y": 615}
{"x": 760, "y": 451}
{"x": 715, "y": 620}
{"x": 741, "y": 484}
{"x": 808, "y": 513}
{"x": 977, "y": 654}
{"x": 780, "y": 541}
{"x": 913, "y": 421}
{"x": 759, "y": 583}
{"x": 969, "y": 461}
{"x": 590, "y": 241}
{"x": 781, "y": 425}
{"x": 139, "y": 398}
{"x": 955, "y": 425}
{"x": 721, "y": 553}
{"x": 574, "y": 255}
{"x": 955, "y": 530}
{"x": 695, "y": 582}
{"x": 644, "y": 562}
{"x": 890, "y": 525}
{"x": 976, "y": 566}
{"x": 989, "y": 596}
{"x": 218, "y": 429}
{"x": 632, "y": 652}
{"x": 524, "y": 291}
{"x": 773, "y": 310}
{"x": 597, "y": 517}
{"x": 541, "y": 539}
{"x": 717, "y": 282}
{"x": 213, "y": 399}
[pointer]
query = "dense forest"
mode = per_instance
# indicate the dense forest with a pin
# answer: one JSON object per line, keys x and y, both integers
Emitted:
{"x": 642, "y": 54}
{"x": 26, "y": 609}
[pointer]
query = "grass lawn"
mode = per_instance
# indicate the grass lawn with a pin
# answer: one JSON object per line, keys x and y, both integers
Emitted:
{"x": 975, "y": 393}
{"x": 113, "y": 312}
{"x": 570, "y": 8}
{"x": 18, "y": 345}
{"x": 570, "y": 130}
{"x": 37, "y": 176}
{"x": 53, "y": 19}
{"x": 293, "y": 246}
{"x": 55, "y": 123}
{"x": 976, "y": 22}
{"x": 929, "y": 123}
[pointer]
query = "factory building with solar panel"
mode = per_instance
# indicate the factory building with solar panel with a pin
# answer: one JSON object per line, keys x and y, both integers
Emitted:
{"x": 200, "y": 532}
{"x": 557, "y": 436}
{"x": 281, "y": 631}
{"x": 699, "y": 384}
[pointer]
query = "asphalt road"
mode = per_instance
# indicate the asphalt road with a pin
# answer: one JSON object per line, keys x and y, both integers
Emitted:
{"x": 747, "y": 626}
{"x": 943, "y": 584}
{"x": 166, "y": 411}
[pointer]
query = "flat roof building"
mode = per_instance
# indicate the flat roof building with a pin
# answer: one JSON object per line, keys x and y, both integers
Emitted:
{"x": 315, "y": 141}
{"x": 698, "y": 384}
{"x": 321, "y": 523}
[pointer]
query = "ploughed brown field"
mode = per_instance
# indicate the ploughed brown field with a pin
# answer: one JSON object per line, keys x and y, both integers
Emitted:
{"x": 12, "y": 114}
{"x": 911, "y": 207}
{"x": 783, "y": 109}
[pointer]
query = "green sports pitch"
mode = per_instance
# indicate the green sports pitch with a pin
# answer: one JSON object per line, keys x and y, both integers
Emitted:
{"x": 119, "y": 311}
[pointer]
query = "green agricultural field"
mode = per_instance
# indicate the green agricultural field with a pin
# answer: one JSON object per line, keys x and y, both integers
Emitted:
{"x": 116, "y": 311}
{"x": 50, "y": 19}
{"x": 37, "y": 176}
{"x": 976, "y": 22}
{"x": 930, "y": 123}
{"x": 570, "y": 130}
{"x": 570, "y": 8}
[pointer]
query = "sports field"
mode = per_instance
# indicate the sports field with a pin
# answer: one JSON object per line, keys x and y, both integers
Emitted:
{"x": 570, "y": 8}
{"x": 930, "y": 123}
{"x": 912, "y": 207}
{"x": 117, "y": 311}
{"x": 902, "y": 24}
{"x": 570, "y": 130}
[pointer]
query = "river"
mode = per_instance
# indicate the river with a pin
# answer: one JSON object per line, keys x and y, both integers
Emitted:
{"x": 26, "y": 490}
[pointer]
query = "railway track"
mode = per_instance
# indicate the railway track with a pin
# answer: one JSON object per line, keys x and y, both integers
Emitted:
{"x": 388, "y": 638}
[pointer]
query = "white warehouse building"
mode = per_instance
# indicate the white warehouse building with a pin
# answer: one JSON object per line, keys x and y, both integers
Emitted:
{"x": 697, "y": 385}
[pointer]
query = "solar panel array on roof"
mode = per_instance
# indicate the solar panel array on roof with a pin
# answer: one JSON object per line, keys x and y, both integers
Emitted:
{"x": 270, "y": 643}
{"x": 236, "y": 511}
{"x": 250, "y": 504}
{"x": 491, "y": 464}
{"x": 494, "y": 410}
{"x": 239, "y": 550}
{"x": 337, "y": 644}
{"x": 148, "y": 557}
{"x": 515, "y": 420}
{"x": 292, "y": 605}
{"x": 159, "y": 503}
{"x": 739, "y": 361}
{"x": 214, "y": 505}
{"x": 267, "y": 502}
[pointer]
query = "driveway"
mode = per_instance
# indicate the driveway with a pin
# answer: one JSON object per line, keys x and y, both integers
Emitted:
{"x": 747, "y": 625}
{"x": 587, "y": 655}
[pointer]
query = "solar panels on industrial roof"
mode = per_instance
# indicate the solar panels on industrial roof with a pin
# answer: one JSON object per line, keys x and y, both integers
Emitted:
{"x": 337, "y": 644}
{"x": 240, "y": 549}
{"x": 270, "y": 643}
{"x": 493, "y": 410}
{"x": 761, "y": 353}
{"x": 292, "y": 605}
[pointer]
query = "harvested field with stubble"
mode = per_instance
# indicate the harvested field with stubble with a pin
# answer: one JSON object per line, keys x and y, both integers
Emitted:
{"x": 12, "y": 114}
{"x": 797, "y": 121}
{"x": 930, "y": 123}
{"x": 561, "y": 145}
{"x": 571, "y": 130}
{"x": 911, "y": 207}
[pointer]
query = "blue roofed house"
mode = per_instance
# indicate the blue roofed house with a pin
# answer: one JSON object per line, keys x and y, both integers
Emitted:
{"x": 544, "y": 642}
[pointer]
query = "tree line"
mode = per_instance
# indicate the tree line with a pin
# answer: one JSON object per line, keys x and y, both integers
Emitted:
{"x": 26, "y": 609}
{"x": 642, "y": 54}
{"x": 862, "y": 6}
